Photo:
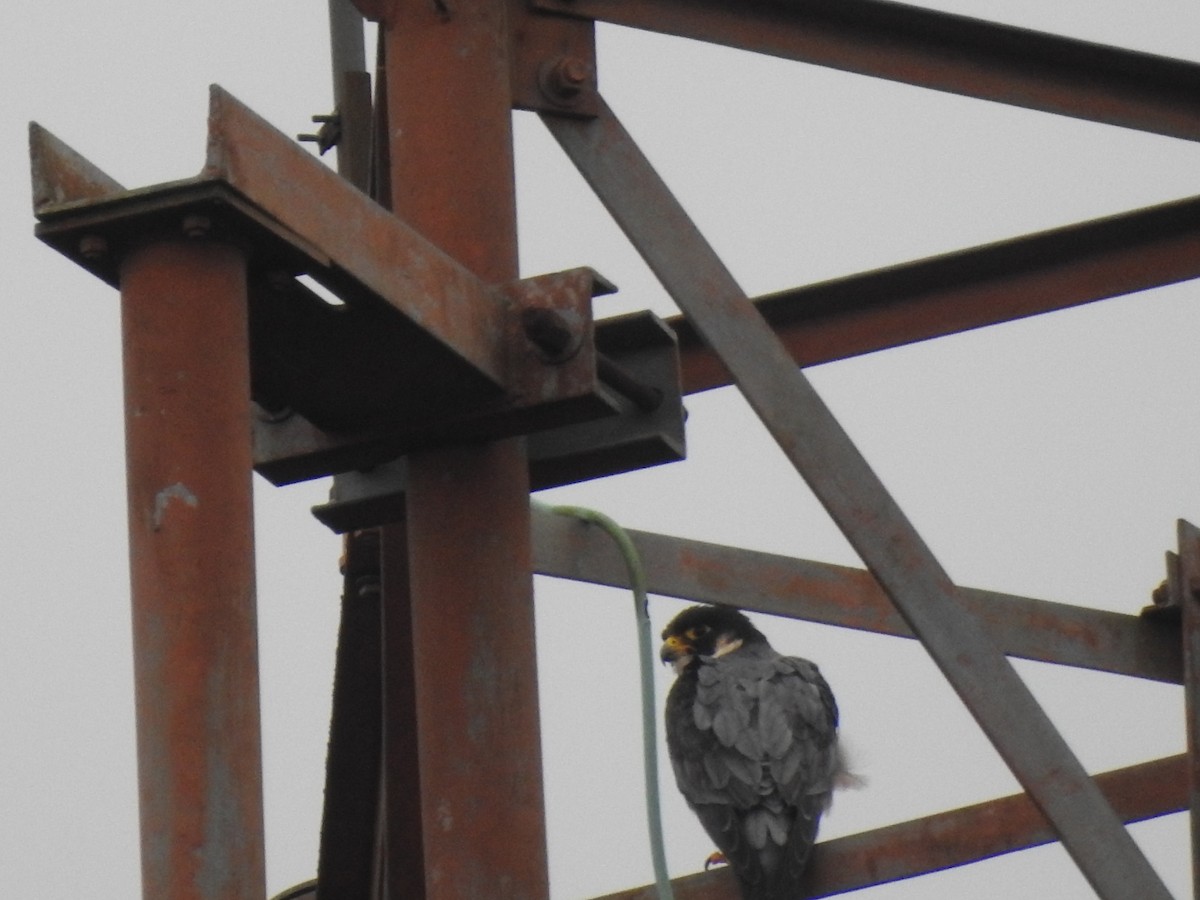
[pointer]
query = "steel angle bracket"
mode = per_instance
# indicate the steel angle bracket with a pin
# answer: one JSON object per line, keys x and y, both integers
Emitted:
{"x": 551, "y": 56}
{"x": 553, "y": 62}
{"x": 638, "y": 352}
{"x": 413, "y": 350}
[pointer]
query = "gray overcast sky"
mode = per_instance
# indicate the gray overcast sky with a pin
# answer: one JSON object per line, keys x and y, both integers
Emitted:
{"x": 1049, "y": 457}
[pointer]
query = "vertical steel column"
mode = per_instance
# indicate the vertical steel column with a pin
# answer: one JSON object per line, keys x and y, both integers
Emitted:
{"x": 475, "y": 677}
{"x": 351, "y": 92}
{"x": 1188, "y": 588}
{"x": 187, "y": 398}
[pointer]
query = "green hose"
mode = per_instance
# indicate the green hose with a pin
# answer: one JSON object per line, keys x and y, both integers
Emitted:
{"x": 637, "y": 578}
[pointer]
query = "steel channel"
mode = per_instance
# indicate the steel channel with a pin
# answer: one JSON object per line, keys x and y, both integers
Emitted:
{"x": 474, "y": 658}
{"x": 970, "y": 288}
{"x": 938, "y": 50}
{"x": 850, "y": 598}
{"x": 954, "y": 838}
{"x": 366, "y": 248}
{"x": 1188, "y": 586}
{"x": 857, "y": 501}
{"x": 402, "y": 864}
{"x": 187, "y": 419}
{"x": 346, "y": 863}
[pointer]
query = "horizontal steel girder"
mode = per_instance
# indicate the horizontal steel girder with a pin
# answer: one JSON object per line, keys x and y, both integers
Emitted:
{"x": 858, "y": 503}
{"x": 949, "y": 839}
{"x": 851, "y": 598}
{"x": 970, "y": 288}
{"x": 938, "y": 50}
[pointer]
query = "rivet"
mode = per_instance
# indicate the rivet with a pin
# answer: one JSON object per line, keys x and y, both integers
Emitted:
{"x": 93, "y": 247}
{"x": 196, "y": 225}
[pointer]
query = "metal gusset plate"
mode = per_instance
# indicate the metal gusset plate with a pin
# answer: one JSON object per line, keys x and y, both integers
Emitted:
{"x": 858, "y": 503}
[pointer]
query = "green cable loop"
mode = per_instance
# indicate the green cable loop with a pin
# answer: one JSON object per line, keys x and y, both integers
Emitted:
{"x": 637, "y": 578}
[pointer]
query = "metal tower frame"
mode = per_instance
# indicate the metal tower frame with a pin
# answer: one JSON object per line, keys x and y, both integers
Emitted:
{"x": 446, "y": 387}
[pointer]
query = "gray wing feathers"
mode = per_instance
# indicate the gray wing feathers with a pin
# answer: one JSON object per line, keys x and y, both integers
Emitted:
{"x": 754, "y": 753}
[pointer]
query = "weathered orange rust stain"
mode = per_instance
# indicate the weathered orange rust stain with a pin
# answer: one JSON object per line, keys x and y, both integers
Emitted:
{"x": 192, "y": 571}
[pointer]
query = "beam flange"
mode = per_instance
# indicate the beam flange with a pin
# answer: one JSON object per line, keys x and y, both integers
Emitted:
{"x": 954, "y": 838}
{"x": 938, "y": 50}
{"x": 970, "y": 288}
{"x": 845, "y": 597}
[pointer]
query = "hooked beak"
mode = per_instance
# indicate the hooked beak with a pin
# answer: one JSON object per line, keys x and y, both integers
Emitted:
{"x": 673, "y": 650}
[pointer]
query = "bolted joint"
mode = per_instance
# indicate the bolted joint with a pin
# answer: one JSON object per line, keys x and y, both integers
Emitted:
{"x": 196, "y": 226}
{"x": 551, "y": 332}
{"x": 564, "y": 80}
{"x": 93, "y": 247}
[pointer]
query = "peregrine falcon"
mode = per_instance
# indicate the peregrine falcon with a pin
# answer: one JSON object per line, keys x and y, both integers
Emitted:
{"x": 752, "y": 737}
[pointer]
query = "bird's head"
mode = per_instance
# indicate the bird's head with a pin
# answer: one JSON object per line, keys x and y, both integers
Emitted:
{"x": 705, "y": 631}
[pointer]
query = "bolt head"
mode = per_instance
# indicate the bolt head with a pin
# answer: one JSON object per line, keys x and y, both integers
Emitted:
{"x": 93, "y": 247}
{"x": 196, "y": 225}
{"x": 564, "y": 79}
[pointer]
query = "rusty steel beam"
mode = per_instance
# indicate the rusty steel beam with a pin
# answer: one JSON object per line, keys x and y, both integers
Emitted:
{"x": 472, "y": 630}
{"x": 857, "y": 501}
{"x": 850, "y": 598}
{"x": 945, "y": 840}
{"x": 191, "y": 540}
{"x": 970, "y": 288}
{"x": 366, "y": 246}
{"x": 938, "y": 50}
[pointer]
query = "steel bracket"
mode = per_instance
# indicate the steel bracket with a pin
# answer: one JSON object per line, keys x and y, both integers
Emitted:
{"x": 553, "y": 62}
{"x": 344, "y": 383}
{"x": 648, "y": 431}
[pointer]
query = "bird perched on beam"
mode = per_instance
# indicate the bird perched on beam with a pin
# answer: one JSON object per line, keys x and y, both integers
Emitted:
{"x": 752, "y": 737}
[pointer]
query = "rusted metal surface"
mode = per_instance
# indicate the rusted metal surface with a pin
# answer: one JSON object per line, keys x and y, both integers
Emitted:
{"x": 1186, "y": 585}
{"x": 191, "y": 539}
{"x": 474, "y": 660}
{"x": 949, "y": 839}
{"x": 971, "y": 288}
{"x": 858, "y": 503}
{"x": 366, "y": 395}
{"x": 648, "y": 430}
{"x": 365, "y": 244}
{"x": 850, "y": 598}
{"x": 347, "y": 857}
{"x": 553, "y": 61}
{"x": 938, "y": 50}
{"x": 343, "y": 386}
{"x": 60, "y": 175}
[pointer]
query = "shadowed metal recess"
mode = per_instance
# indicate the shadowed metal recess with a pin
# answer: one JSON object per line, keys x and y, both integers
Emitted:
{"x": 439, "y": 388}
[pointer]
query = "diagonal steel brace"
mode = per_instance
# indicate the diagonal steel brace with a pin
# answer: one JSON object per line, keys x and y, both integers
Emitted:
{"x": 857, "y": 501}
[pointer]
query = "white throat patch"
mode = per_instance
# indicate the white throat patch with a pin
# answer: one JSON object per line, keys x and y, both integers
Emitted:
{"x": 725, "y": 645}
